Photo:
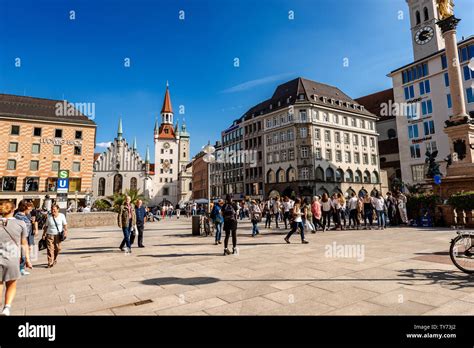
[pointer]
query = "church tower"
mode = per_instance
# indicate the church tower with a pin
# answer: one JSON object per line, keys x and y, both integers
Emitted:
{"x": 183, "y": 148}
{"x": 426, "y": 35}
{"x": 166, "y": 155}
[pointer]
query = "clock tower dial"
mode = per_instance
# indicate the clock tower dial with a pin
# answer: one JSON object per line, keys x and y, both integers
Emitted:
{"x": 424, "y": 35}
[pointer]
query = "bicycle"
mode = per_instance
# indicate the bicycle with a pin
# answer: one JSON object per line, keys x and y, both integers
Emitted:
{"x": 461, "y": 251}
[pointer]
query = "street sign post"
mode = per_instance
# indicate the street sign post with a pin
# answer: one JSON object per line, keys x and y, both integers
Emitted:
{"x": 63, "y": 185}
{"x": 62, "y": 190}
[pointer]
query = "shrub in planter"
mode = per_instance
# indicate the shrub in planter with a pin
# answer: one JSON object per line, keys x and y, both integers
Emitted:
{"x": 419, "y": 204}
{"x": 462, "y": 200}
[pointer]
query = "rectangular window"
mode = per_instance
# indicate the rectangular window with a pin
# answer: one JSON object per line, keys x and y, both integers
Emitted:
{"x": 449, "y": 100}
{"x": 77, "y": 150}
{"x": 76, "y": 166}
{"x": 13, "y": 147}
{"x": 304, "y": 152}
{"x": 337, "y": 136}
{"x": 415, "y": 151}
{"x": 374, "y": 160}
{"x": 344, "y": 119}
{"x": 444, "y": 62}
{"x": 283, "y": 156}
{"x": 446, "y": 79}
{"x": 328, "y": 155}
{"x": 55, "y": 166}
{"x": 317, "y": 134}
{"x": 338, "y": 156}
{"x": 346, "y": 138}
{"x": 36, "y": 132}
{"x": 327, "y": 135}
{"x": 15, "y": 130}
{"x": 303, "y": 133}
{"x": 413, "y": 131}
{"x": 34, "y": 165}
{"x": 303, "y": 116}
{"x": 418, "y": 172}
{"x": 356, "y": 158}
{"x": 409, "y": 92}
{"x": 372, "y": 142}
{"x": 365, "y": 158}
{"x": 347, "y": 157}
{"x": 35, "y": 148}
{"x": 74, "y": 185}
{"x": 291, "y": 154}
{"x": 78, "y": 135}
{"x": 364, "y": 140}
{"x": 355, "y": 139}
{"x": 429, "y": 127}
{"x": 58, "y": 133}
{"x": 9, "y": 183}
{"x": 317, "y": 154}
{"x": 31, "y": 184}
{"x": 431, "y": 146}
{"x": 470, "y": 95}
{"x": 426, "y": 107}
{"x": 11, "y": 164}
{"x": 56, "y": 149}
{"x": 425, "y": 87}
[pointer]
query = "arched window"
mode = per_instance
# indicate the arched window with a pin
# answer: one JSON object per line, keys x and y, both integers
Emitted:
{"x": 291, "y": 174}
{"x": 118, "y": 183}
{"x": 375, "y": 177}
{"x": 339, "y": 175}
{"x": 133, "y": 184}
{"x": 271, "y": 176}
{"x": 319, "y": 174}
{"x": 101, "y": 188}
{"x": 425, "y": 11}
{"x": 349, "y": 176}
{"x": 190, "y": 186}
{"x": 280, "y": 175}
{"x": 418, "y": 17}
{"x": 329, "y": 175}
{"x": 358, "y": 176}
{"x": 366, "y": 177}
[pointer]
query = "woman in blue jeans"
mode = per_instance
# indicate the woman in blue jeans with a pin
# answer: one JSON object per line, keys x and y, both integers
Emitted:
{"x": 255, "y": 216}
{"x": 379, "y": 204}
{"x": 218, "y": 219}
{"x": 297, "y": 222}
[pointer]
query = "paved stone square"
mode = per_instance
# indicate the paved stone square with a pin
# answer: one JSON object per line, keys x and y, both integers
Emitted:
{"x": 396, "y": 271}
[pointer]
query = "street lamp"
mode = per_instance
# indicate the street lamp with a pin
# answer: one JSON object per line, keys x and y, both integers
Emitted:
{"x": 209, "y": 158}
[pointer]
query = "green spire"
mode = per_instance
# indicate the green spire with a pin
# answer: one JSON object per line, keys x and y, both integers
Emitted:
{"x": 147, "y": 155}
{"x": 156, "y": 125}
{"x": 119, "y": 131}
{"x": 135, "y": 144}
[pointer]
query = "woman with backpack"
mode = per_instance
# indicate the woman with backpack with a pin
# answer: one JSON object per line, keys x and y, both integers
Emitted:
{"x": 297, "y": 222}
{"x": 218, "y": 219}
{"x": 326, "y": 208}
{"x": 230, "y": 225}
{"x": 13, "y": 234}
{"x": 24, "y": 214}
{"x": 255, "y": 216}
{"x": 368, "y": 211}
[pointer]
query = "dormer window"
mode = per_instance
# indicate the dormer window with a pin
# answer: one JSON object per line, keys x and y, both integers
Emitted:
{"x": 279, "y": 103}
{"x": 288, "y": 100}
{"x": 271, "y": 106}
{"x": 301, "y": 96}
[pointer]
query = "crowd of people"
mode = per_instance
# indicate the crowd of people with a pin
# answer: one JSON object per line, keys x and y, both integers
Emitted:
{"x": 321, "y": 213}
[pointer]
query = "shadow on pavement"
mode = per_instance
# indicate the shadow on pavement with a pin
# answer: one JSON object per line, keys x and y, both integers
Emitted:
{"x": 455, "y": 279}
{"x": 181, "y": 255}
{"x": 181, "y": 281}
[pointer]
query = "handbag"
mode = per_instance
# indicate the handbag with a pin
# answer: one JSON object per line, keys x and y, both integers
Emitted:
{"x": 61, "y": 235}
{"x": 42, "y": 244}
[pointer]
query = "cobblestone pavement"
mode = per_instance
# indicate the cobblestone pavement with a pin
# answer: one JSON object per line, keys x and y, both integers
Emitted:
{"x": 367, "y": 272}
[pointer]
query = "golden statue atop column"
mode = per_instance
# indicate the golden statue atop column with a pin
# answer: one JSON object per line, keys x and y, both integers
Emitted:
{"x": 445, "y": 8}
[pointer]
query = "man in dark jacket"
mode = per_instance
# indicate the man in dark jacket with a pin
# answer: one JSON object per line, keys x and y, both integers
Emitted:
{"x": 229, "y": 211}
{"x": 140, "y": 213}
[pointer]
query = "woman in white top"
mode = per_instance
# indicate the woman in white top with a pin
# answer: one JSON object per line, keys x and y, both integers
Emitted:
{"x": 297, "y": 222}
{"x": 326, "y": 209}
{"x": 55, "y": 225}
{"x": 379, "y": 204}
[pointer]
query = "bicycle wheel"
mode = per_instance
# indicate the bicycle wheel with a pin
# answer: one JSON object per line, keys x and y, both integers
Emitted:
{"x": 462, "y": 253}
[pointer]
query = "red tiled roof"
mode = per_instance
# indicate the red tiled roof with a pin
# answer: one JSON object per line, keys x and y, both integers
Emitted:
{"x": 373, "y": 102}
{"x": 167, "y": 103}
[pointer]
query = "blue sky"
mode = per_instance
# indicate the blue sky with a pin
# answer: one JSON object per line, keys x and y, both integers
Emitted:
{"x": 82, "y": 60}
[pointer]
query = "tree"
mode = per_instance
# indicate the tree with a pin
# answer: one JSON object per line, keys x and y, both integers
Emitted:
{"x": 119, "y": 198}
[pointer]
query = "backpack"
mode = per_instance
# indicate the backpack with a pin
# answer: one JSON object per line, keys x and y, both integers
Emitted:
{"x": 213, "y": 213}
{"x": 229, "y": 212}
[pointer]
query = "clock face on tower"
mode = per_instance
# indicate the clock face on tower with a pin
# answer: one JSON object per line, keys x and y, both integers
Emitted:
{"x": 166, "y": 146}
{"x": 424, "y": 35}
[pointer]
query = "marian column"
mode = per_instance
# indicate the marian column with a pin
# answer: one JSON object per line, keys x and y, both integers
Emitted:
{"x": 459, "y": 127}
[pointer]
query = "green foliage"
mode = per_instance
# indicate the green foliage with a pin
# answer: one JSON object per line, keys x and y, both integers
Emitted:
{"x": 119, "y": 198}
{"x": 101, "y": 205}
{"x": 462, "y": 200}
{"x": 421, "y": 203}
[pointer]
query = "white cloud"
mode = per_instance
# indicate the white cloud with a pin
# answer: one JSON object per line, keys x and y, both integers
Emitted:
{"x": 104, "y": 144}
{"x": 254, "y": 83}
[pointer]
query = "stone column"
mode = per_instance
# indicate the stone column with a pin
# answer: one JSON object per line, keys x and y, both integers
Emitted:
{"x": 448, "y": 28}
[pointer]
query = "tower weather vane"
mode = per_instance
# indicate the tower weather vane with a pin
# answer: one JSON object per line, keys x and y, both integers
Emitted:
{"x": 445, "y": 8}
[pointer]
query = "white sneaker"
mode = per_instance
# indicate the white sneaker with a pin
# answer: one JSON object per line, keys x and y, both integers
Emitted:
{"x": 6, "y": 311}
{"x": 24, "y": 272}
